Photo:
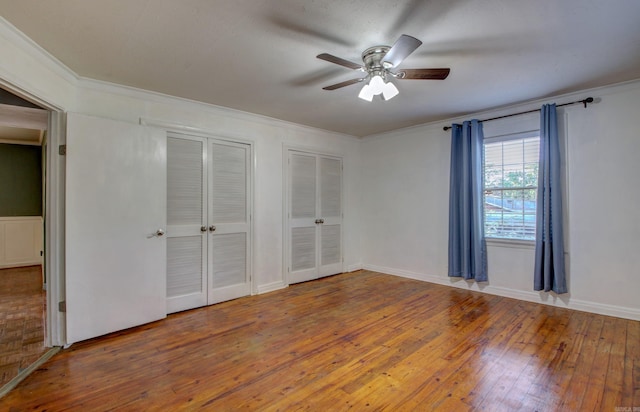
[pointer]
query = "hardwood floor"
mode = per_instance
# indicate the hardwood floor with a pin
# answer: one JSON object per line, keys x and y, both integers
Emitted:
{"x": 22, "y": 303}
{"x": 360, "y": 341}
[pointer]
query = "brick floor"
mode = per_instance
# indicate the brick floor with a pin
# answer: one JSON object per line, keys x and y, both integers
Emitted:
{"x": 22, "y": 309}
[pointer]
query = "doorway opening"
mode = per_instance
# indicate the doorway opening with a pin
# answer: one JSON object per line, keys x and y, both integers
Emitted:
{"x": 23, "y": 136}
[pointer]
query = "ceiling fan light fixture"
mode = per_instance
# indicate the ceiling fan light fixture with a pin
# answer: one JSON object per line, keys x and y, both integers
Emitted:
{"x": 376, "y": 84}
{"x": 389, "y": 91}
{"x": 366, "y": 93}
{"x": 376, "y": 87}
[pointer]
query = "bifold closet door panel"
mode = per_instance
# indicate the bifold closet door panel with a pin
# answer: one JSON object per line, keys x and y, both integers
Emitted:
{"x": 330, "y": 177}
{"x": 303, "y": 197}
{"x": 186, "y": 215}
{"x": 229, "y": 221}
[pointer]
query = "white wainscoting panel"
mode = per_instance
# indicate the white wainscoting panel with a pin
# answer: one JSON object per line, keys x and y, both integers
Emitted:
{"x": 20, "y": 241}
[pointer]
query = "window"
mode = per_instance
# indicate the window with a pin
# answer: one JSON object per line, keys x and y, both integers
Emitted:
{"x": 511, "y": 185}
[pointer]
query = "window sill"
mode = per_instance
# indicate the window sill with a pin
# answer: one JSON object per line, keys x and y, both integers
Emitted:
{"x": 513, "y": 243}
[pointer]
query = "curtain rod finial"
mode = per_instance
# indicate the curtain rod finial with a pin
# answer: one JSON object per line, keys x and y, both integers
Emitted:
{"x": 587, "y": 100}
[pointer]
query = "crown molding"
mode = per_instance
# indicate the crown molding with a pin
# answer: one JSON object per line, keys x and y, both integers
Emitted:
{"x": 515, "y": 107}
{"x": 165, "y": 99}
{"x": 26, "y": 44}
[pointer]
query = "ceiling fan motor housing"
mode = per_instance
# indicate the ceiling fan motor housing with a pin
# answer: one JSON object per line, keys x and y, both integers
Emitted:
{"x": 372, "y": 58}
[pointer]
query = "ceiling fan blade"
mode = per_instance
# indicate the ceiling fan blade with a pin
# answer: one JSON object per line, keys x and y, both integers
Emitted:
{"x": 342, "y": 84}
{"x": 337, "y": 60}
{"x": 403, "y": 47}
{"x": 424, "y": 74}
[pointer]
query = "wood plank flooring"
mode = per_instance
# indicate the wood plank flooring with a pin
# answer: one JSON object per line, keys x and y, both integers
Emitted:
{"x": 359, "y": 341}
{"x": 22, "y": 309}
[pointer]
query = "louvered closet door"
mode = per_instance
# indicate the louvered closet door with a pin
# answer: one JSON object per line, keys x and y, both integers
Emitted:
{"x": 302, "y": 216}
{"x": 330, "y": 179}
{"x": 186, "y": 216}
{"x": 229, "y": 221}
{"x": 315, "y": 216}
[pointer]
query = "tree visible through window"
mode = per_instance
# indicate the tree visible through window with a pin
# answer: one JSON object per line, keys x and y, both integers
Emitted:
{"x": 511, "y": 186}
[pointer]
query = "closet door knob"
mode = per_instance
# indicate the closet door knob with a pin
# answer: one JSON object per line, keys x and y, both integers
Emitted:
{"x": 212, "y": 228}
{"x": 203, "y": 228}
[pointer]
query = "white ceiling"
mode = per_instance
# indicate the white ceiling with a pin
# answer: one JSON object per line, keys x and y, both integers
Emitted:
{"x": 259, "y": 55}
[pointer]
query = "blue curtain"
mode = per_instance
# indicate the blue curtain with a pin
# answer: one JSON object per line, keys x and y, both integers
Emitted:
{"x": 549, "y": 267}
{"x": 467, "y": 246}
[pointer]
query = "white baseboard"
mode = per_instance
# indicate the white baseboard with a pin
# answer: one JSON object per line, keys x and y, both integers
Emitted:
{"x": 271, "y": 287}
{"x": 353, "y": 268}
{"x": 529, "y": 296}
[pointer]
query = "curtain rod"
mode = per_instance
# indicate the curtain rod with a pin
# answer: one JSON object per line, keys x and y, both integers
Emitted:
{"x": 584, "y": 101}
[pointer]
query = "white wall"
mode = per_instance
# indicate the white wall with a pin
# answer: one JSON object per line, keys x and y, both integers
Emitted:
{"x": 24, "y": 66}
{"x": 406, "y": 187}
{"x": 268, "y": 136}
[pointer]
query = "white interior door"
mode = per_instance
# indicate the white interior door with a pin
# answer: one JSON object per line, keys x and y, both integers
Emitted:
{"x": 315, "y": 216}
{"x": 229, "y": 221}
{"x": 186, "y": 223}
{"x": 115, "y": 204}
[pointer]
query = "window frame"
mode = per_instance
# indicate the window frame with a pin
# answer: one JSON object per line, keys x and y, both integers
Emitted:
{"x": 505, "y": 241}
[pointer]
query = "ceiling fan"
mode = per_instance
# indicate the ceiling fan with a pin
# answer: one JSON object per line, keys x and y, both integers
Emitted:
{"x": 378, "y": 64}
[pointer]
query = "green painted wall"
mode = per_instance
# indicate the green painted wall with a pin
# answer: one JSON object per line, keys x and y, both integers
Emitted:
{"x": 20, "y": 180}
